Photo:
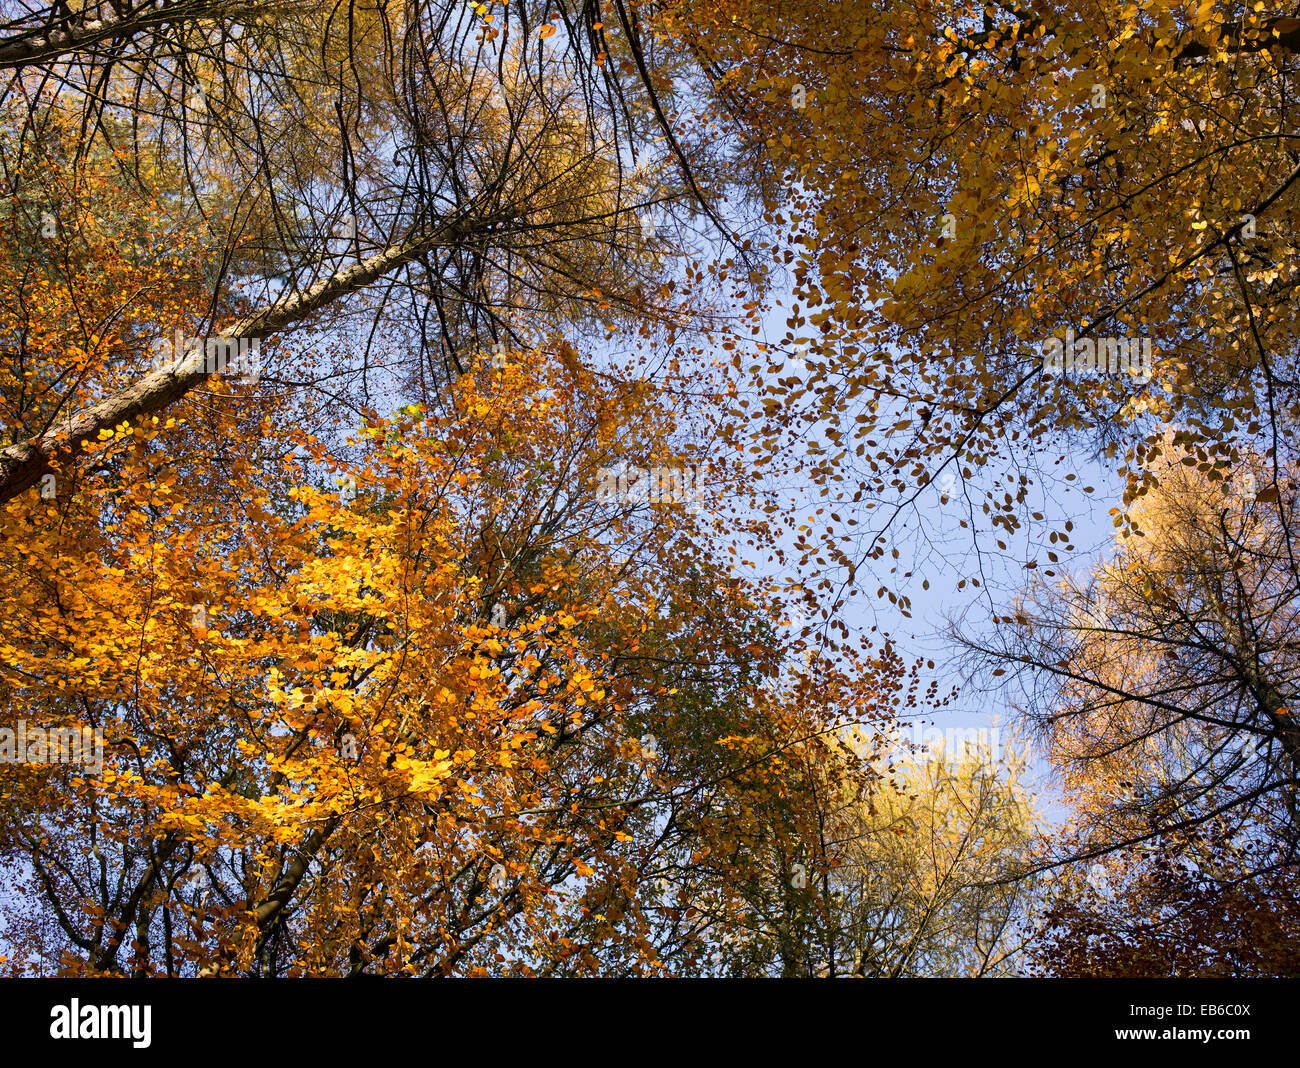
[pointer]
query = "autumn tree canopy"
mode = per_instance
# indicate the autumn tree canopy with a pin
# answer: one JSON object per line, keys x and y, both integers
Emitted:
{"x": 478, "y": 469}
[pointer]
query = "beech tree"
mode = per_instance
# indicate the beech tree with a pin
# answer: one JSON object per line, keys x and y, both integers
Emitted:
{"x": 956, "y": 185}
{"x": 429, "y": 720}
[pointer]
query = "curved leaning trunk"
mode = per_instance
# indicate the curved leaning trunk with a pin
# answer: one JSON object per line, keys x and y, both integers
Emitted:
{"x": 24, "y": 463}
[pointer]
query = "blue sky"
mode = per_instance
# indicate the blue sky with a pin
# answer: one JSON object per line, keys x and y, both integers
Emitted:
{"x": 935, "y": 547}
